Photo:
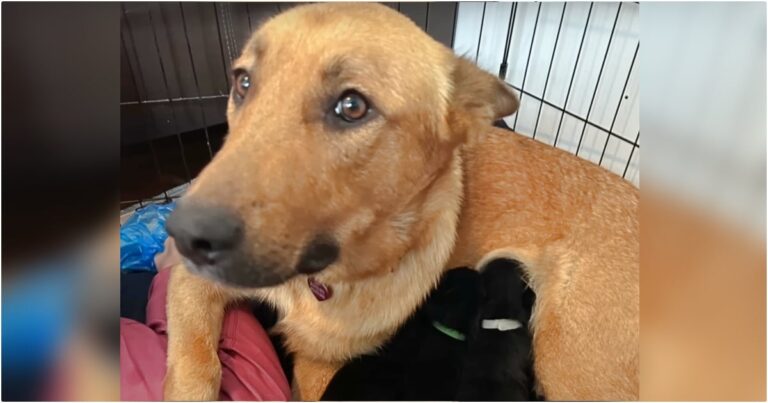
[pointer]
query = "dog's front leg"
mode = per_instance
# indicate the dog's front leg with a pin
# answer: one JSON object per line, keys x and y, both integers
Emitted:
{"x": 311, "y": 377}
{"x": 195, "y": 308}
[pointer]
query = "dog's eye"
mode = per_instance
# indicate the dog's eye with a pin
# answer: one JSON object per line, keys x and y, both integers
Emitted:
{"x": 351, "y": 106}
{"x": 242, "y": 83}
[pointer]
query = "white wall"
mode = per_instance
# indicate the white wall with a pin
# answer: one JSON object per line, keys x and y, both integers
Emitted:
{"x": 495, "y": 22}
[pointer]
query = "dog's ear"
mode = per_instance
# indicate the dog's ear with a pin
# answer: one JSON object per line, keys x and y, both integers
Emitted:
{"x": 478, "y": 97}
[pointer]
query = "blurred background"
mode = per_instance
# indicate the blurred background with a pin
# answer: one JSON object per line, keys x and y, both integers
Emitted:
{"x": 109, "y": 107}
{"x": 703, "y": 201}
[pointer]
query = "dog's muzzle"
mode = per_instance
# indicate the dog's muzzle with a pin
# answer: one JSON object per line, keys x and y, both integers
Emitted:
{"x": 211, "y": 240}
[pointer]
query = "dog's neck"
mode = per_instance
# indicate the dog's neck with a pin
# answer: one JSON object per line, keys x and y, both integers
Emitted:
{"x": 363, "y": 314}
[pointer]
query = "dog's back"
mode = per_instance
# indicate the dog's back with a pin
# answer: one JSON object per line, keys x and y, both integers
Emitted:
{"x": 575, "y": 228}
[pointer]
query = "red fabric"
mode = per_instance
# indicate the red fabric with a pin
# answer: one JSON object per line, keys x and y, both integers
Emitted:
{"x": 250, "y": 369}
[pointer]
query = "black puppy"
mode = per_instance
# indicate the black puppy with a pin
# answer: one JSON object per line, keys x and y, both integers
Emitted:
{"x": 443, "y": 353}
{"x": 499, "y": 362}
{"x": 423, "y": 361}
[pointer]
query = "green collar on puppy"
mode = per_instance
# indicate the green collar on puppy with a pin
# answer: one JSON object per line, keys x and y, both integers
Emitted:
{"x": 452, "y": 333}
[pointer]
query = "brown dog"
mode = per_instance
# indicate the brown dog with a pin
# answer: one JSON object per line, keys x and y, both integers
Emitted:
{"x": 361, "y": 156}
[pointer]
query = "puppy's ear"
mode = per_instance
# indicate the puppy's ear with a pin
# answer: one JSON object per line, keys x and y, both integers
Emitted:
{"x": 478, "y": 98}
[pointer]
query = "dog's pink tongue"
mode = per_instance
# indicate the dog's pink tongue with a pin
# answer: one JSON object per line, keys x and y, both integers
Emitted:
{"x": 320, "y": 290}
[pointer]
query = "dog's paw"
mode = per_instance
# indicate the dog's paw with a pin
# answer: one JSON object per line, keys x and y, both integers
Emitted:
{"x": 187, "y": 381}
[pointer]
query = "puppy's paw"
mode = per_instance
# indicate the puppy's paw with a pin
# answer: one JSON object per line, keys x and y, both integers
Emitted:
{"x": 188, "y": 381}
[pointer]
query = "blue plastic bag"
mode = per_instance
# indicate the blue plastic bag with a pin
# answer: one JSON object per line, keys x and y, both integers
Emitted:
{"x": 143, "y": 236}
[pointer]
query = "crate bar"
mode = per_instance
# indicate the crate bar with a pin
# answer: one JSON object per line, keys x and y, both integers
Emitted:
{"x": 170, "y": 194}
{"x": 549, "y": 70}
{"x": 599, "y": 76}
{"x": 480, "y": 36}
{"x": 168, "y": 91}
{"x": 507, "y": 44}
{"x": 221, "y": 46}
{"x": 178, "y": 99}
{"x": 573, "y": 115}
{"x": 197, "y": 82}
{"x": 141, "y": 202}
{"x": 155, "y": 160}
{"x": 528, "y": 62}
{"x": 455, "y": 18}
{"x": 130, "y": 66}
{"x": 629, "y": 160}
{"x": 248, "y": 11}
{"x": 618, "y": 106}
{"x": 125, "y": 206}
{"x": 573, "y": 73}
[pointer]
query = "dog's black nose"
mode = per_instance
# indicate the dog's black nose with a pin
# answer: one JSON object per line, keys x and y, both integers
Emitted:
{"x": 205, "y": 235}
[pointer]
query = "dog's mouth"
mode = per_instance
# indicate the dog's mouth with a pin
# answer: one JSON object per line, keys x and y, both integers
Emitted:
{"x": 239, "y": 275}
{"x": 214, "y": 245}
{"x": 319, "y": 253}
{"x": 320, "y": 290}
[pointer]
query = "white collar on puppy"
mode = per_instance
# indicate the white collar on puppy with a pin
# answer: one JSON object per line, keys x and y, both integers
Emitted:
{"x": 501, "y": 325}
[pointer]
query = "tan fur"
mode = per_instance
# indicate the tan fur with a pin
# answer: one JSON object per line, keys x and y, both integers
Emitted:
{"x": 353, "y": 321}
{"x": 427, "y": 185}
{"x": 315, "y": 376}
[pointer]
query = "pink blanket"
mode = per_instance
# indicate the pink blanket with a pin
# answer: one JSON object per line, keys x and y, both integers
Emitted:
{"x": 250, "y": 367}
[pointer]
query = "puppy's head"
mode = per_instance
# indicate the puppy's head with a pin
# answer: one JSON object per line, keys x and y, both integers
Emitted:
{"x": 341, "y": 116}
{"x": 455, "y": 301}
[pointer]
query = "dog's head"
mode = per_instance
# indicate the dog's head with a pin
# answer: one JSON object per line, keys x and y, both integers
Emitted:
{"x": 341, "y": 116}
